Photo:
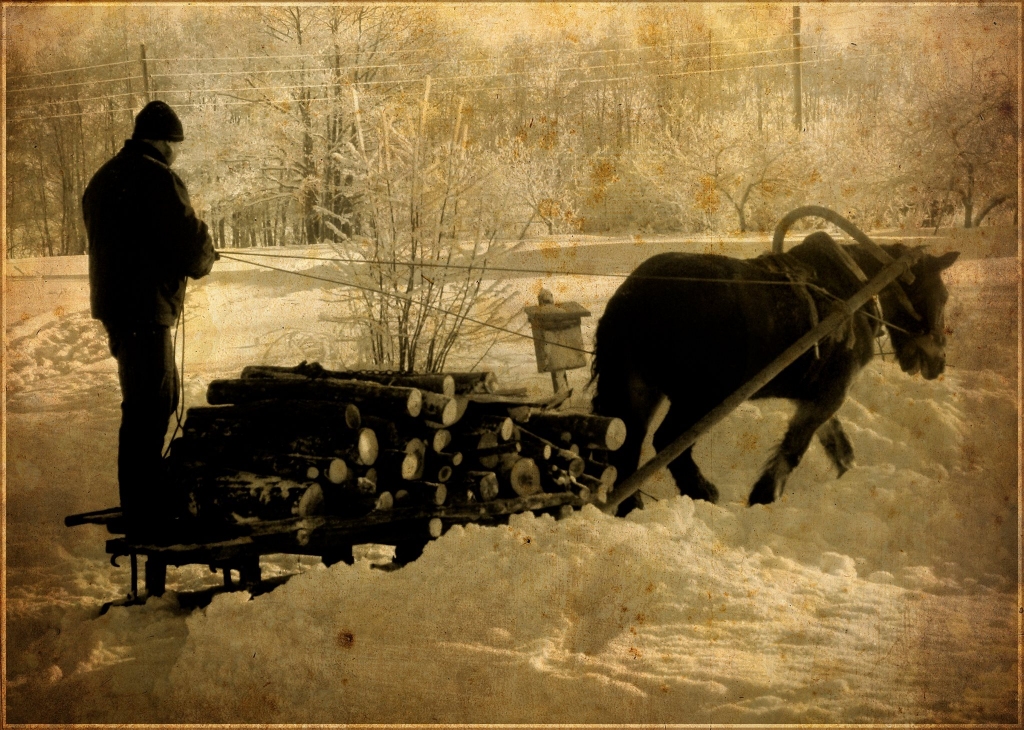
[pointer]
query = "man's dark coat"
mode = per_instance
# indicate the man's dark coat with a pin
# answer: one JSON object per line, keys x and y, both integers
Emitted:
{"x": 144, "y": 239}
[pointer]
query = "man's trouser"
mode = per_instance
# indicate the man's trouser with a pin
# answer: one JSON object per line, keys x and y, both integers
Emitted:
{"x": 149, "y": 395}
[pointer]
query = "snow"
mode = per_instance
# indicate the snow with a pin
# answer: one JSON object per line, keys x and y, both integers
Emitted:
{"x": 884, "y": 596}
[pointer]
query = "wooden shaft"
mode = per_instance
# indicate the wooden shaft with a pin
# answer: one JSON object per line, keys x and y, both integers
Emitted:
{"x": 846, "y": 310}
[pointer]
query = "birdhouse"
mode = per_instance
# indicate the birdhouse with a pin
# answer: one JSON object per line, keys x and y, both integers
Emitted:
{"x": 557, "y": 337}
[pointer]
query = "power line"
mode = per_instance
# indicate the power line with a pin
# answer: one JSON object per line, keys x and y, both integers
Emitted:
{"x": 67, "y": 70}
{"x": 76, "y": 83}
{"x": 459, "y": 77}
{"x": 399, "y": 82}
{"x": 525, "y": 57}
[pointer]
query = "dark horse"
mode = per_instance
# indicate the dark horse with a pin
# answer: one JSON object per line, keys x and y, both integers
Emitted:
{"x": 695, "y": 327}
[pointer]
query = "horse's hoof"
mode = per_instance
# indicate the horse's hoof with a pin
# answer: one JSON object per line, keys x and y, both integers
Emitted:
{"x": 761, "y": 494}
{"x": 703, "y": 490}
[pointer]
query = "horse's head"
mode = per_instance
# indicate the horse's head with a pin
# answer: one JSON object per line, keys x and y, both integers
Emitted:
{"x": 920, "y": 342}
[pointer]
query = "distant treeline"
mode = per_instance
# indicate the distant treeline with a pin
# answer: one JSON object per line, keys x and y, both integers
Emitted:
{"x": 298, "y": 118}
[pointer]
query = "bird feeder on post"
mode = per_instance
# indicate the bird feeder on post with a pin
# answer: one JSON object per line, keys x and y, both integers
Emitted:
{"x": 557, "y": 337}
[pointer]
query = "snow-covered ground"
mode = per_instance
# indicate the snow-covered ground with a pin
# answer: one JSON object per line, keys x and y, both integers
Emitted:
{"x": 886, "y": 596}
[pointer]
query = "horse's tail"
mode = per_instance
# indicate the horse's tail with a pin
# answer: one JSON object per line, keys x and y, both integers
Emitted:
{"x": 609, "y": 366}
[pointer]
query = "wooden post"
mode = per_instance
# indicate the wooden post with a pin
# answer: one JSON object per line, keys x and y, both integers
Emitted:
{"x": 145, "y": 73}
{"x": 844, "y": 311}
{"x": 798, "y": 116}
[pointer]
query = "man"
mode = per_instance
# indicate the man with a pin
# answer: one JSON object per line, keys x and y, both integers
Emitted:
{"x": 144, "y": 239}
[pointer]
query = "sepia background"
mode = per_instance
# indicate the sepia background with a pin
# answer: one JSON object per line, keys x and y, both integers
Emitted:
{"x": 557, "y": 145}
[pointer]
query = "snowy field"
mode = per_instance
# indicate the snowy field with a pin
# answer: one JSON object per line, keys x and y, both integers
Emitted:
{"x": 887, "y": 596}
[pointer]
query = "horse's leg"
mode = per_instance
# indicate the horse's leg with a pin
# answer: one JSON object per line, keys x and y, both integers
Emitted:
{"x": 684, "y": 469}
{"x": 808, "y": 419}
{"x": 836, "y": 444}
{"x": 633, "y": 400}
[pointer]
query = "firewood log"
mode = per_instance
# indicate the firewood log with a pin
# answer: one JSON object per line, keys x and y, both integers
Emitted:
{"x": 307, "y": 413}
{"x": 440, "y": 439}
{"x": 488, "y": 450}
{"x": 440, "y": 409}
{"x": 400, "y": 464}
{"x": 482, "y": 382}
{"x": 502, "y": 426}
{"x": 246, "y": 496}
{"x": 436, "y": 383}
{"x": 562, "y": 458}
{"x": 422, "y": 492}
{"x": 598, "y": 432}
{"x": 382, "y": 400}
{"x": 271, "y": 437}
{"x": 523, "y": 477}
{"x": 484, "y": 484}
{"x": 363, "y": 451}
{"x": 189, "y": 455}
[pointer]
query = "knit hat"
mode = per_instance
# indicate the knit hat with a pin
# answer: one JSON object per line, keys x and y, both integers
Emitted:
{"x": 158, "y": 121}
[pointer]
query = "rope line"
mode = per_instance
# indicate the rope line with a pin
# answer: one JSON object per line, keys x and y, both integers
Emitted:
{"x": 391, "y": 295}
{"x": 517, "y": 270}
{"x": 499, "y": 328}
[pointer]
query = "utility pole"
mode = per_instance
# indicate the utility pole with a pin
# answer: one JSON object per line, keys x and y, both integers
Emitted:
{"x": 798, "y": 115}
{"x": 145, "y": 72}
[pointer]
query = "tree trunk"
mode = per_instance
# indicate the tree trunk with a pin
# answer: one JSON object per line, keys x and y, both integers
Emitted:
{"x": 992, "y": 205}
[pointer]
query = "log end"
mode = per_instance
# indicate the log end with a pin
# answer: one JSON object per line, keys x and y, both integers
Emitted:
{"x": 312, "y": 502}
{"x": 414, "y": 403}
{"x": 412, "y": 466}
{"x": 367, "y": 446}
{"x": 450, "y": 414}
{"x": 489, "y": 487}
{"x": 615, "y": 436}
{"x": 440, "y": 494}
{"x": 524, "y": 478}
{"x": 337, "y": 471}
{"x": 448, "y": 386}
{"x": 441, "y": 439}
{"x": 353, "y": 419}
{"x": 435, "y": 527}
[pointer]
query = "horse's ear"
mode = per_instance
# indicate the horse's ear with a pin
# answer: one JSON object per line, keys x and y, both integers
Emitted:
{"x": 943, "y": 262}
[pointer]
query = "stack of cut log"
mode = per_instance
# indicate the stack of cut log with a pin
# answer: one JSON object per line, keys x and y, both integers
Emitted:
{"x": 279, "y": 442}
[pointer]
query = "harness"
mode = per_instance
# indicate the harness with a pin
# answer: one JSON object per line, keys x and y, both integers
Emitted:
{"x": 801, "y": 277}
